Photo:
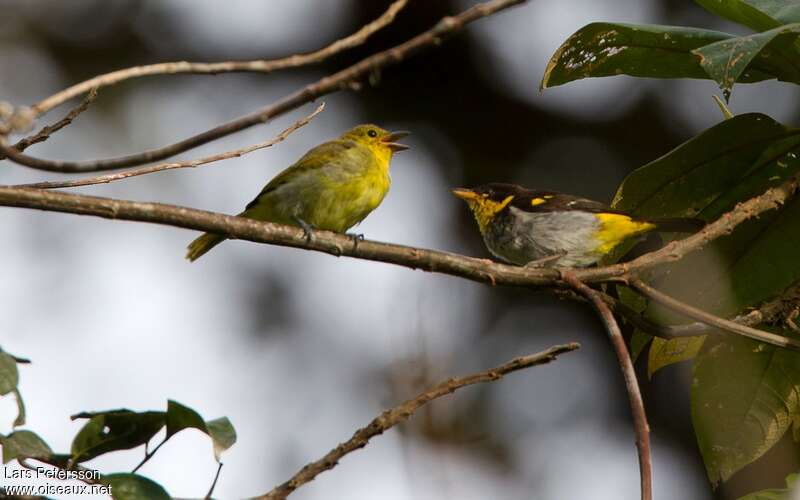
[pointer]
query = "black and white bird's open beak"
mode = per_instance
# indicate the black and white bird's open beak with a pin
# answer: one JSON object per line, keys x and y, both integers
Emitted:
{"x": 390, "y": 139}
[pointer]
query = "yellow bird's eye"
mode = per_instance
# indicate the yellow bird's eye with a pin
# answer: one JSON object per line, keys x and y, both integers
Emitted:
{"x": 372, "y": 133}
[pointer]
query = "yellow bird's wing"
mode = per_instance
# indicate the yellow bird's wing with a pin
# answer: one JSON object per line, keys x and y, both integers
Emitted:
{"x": 321, "y": 156}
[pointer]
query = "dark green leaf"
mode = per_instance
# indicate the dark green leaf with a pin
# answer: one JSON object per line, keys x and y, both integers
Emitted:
{"x": 134, "y": 487}
{"x": 114, "y": 430}
{"x": 639, "y": 342}
{"x": 729, "y": 163}
{"x": 181, "y": 417}
{"x": 24, "y": 444}
{"x": 20, "y": 420}
{"x": 726, "y": 60}
{"x": 760, "y": 15}
{"x": 9, "y": 376}
{"x": 220, "y": 431}
{"x": 652, "y": 51}
{"x": 708, "y": 175}
{"x": 744, "y": 398}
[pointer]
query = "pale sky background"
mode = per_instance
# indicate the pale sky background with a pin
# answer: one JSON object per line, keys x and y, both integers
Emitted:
{"x": 112, "y": 316}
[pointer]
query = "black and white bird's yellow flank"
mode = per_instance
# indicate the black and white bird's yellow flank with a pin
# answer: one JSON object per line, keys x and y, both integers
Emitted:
{"x": 524, "y": 226}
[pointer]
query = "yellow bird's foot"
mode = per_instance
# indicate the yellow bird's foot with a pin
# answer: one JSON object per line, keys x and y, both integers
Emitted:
{"x": 356, "y": 238}
{"x": 308, "y": 229}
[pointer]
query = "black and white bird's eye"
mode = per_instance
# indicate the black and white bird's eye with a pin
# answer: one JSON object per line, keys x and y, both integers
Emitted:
{"x": 372, "y": 133}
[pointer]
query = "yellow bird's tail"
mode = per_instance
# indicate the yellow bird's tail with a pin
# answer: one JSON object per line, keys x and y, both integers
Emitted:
{"x": 202, "y": 245}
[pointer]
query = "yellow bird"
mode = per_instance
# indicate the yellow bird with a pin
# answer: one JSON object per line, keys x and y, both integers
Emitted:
{"x": 529, "y": 227}
{"x": 333, "y": 187}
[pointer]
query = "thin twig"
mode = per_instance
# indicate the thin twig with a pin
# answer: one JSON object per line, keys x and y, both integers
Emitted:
{"x": 629, "y": 374}
{"x": 149, "y": 454}
{"x": 772, "y": 311}
{"x": 402, "y": 412}
{"x": 343, "y": 79}
{"x": 103, "y": 179}
{"x": 214, "y": 483}
{"x": 48, "y": 130}
{"x": 711, "y": 319}
{"x": 258, "y": 66}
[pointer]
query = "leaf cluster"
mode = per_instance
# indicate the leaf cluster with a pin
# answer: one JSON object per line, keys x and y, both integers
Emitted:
{"x": 744, "y": 395}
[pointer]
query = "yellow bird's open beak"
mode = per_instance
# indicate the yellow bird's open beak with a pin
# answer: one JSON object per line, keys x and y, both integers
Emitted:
{"x": 390, "y": 139}
{"x": 464, "y": 193}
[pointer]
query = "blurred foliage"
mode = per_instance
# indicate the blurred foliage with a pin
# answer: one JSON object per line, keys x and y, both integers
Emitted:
{"x": 134, "y": 487}
{"x": 114, "y": 430}
{"x": 774, "y": 493}
{"x": 744, "y": 394}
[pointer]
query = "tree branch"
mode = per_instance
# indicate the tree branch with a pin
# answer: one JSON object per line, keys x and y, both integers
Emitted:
{"x": 104, "y": 179}
{"x": 711, "y": 319}
{"x": 48, "y": 130}
{"x": 234, "y": 227}
{"x": 776, "y": 310}
{"x": 629, "y": 374}
{"x": 403, "y": 411}
{"x": 257, "y": 66}
{"x": 480, "y": 270}
{"x": 343, "y": 79}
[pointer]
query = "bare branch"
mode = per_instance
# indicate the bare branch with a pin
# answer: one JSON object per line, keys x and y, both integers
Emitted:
{"x": 403, "y": 412}
{"x": 258, "y": 66}
{"x": 242, "y": 228}
{"x": 777, "y": 310}
{"x": 629, "y": 374}
{"x": 343, "y": 79}
{"x": 711, "y": 319}
{"x": 104, "y": 179}
{"x": 49, "y": 130}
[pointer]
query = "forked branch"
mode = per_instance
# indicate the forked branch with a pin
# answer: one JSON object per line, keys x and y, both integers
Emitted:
{"x": 343, "y": 79}
{"x": 257, "y": 66}
{"x": 105, "y": 179}
{"x": 404, "y": 411}
{"x": 640, "y": 424}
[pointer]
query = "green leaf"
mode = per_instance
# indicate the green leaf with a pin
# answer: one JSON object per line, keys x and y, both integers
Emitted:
{"x": 744, "y": 397}
{"x": 760, "y": 15}
{"x": 114, "y": 430}
{"x": 707, "y": 176}
{"x": 20, "y": 419}
{"x": 774, "y": 493}
{"x": 181, "y": 417}
{"x": 9, "y": 376}
{"x": 20, "y": 445}
{"x": 221, "y": 432}
{"x": 639, "y": 342}
{"x": 770, "y": 494}
{"x": 134, "y": 487}
{"x": 726, "y": 60}
{"x": 644, "y": 50}
{"x": 665, "y": 352}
